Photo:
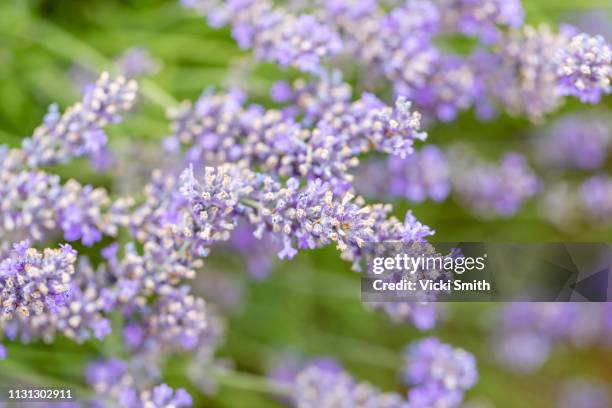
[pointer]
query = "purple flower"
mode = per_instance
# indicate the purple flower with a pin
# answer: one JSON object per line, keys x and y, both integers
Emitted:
{"x": 258, "y": 253}
{"x": 422, "y": 175}
{"x": 133, "y": 335}
{"x": 177, "y": 320}
{"x": 521, "y": 74}
{"x": 526, "y": 332}
{"x": 136, "y": 62}
{"x": 281, "y": 91}
{"x": 35, "y": 203}
{"x": 584, "y": 393}
{"x": 162, "y": 396}
{"x": 275, "y": 34}
{"x": 596, "y": 194}
{"x": 422, "y": 315}
{"x": 26, "y": 198}
{"x": 112, "y": 380}
{"x": 323, "y": 383}
{"x": 394, "y": 130}
{"x": 307, "y": 216}
{"x": 81, "y": 218}
{"x": 325, "y": 146}
{"x": 576, "y": 141}
{"x": 79, "y": 131}
{"x": 79, "y": 317}
{"x": 481, "y": 18}
{"x": 488, "y": 189}
{"x": 394, "y": 45}
{"x": 438, "y": 373}
{"x": 433, "y": 394}
{"x": 351, "y": 10}
{"x": 33, "y": 282}
{"x": 100, "y": 375}
{"x": 522, "y": 351}
{"x": 585, "y": 68}
{"x": 450, "y": 89}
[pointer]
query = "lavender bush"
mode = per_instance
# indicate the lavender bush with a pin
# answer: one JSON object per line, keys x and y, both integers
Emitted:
{"x": 123, "y": 267}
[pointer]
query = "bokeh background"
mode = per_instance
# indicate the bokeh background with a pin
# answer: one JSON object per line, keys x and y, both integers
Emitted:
{"x": 310, "y": 306}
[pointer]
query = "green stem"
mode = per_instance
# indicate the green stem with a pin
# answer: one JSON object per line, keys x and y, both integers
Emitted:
{"x": 10, "y": 368}
{"x": 252, "y": 382}
{"x": 361, "y": 351}
{"x": 62, "y": 43}
{"x": 251, "y": 203}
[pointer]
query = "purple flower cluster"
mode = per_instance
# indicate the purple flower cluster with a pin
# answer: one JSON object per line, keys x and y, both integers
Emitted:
{"x": 523, "y": 75}
{"x": 421, "y": 315}
{"x": 527, "y": 332}
{"x": 307, "y": 216}
{"x": 33, "y": 282}
{"x": 580, "y": 141}
{"x": 584, "y": 392}
{"x": 160, "y": 315}
{"x": 423, "y": 175}
{"x": 560, "y": 205}
{"x": 281, "y": 179}
{"x": 115, "y": 384}
{"x": 136, "y": 62}
{"x": 35, "y": 203}
{"x": 55, "y": 298}
{"x": 488, "y": 189}
{"x": 79, "y": 317}
{"x": 274, "y": 34}
{"x": 527, "y": 70}
{"x": 438, "y": 373}
{"x": 585, "y": 68}
{"x": 258, "y": 253}
{"x": 451, "y": 88}
{"x": 596, "y": 197}
{"x": 383, "y": 42}
{"x": 324, "y": 383}
{"x": 220, "y": 129}
{"x": 79, "y": 131}
{"x": 569, "y": 204}
{"x": 398, "y": 46}
{"x": 481, "y": 18}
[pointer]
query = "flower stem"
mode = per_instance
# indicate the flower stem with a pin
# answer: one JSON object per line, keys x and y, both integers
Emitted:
{"x": 251, "y": 382}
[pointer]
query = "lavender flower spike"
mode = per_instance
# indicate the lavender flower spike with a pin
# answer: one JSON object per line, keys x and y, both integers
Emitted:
{"x": 323, "y": 383}
{"x": 32, "y": 282}
{"x": 116, "y": 385}
{"x": 438, "y": 373}
{"x": 310, "y": 216}
{"x": 596, "y": 197}
{"x": 79, "y": 131}
{"x": 585, "y": 68}
{"x": 275, "y": 34}
{"x": 482, "y": 17}
{"x": 394, "y": 130}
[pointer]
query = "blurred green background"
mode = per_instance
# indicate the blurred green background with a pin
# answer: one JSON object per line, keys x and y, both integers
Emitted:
{"x": 310, "y": 305}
